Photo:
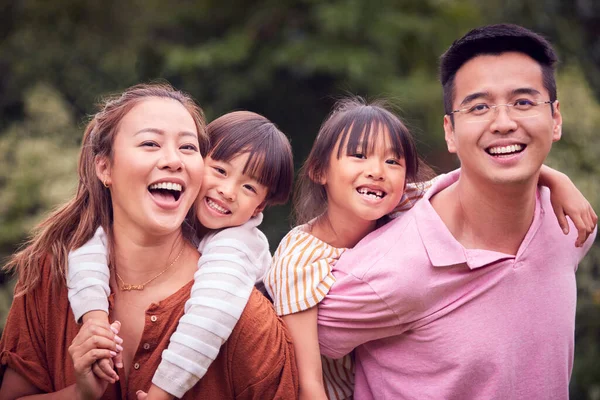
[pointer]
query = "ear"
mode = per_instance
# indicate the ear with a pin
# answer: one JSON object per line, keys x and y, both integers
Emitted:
{"x": 260, "y": 208}
{"x": 103, "y": 169}
{"x": 317, "y": 177}
{"x": 557, "y": 123}
{"x": 449, "y": 134}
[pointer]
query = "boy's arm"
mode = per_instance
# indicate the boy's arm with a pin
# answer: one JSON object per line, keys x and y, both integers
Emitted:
{"x": 231, "y": 262}
{"x": 567, "y": 200}
{"x": 88, "y": 276}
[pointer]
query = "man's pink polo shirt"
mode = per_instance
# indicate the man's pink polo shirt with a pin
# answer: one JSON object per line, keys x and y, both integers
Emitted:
{"x": 432, "y": 320}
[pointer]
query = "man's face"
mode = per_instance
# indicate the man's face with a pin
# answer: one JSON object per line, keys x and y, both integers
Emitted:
{"x": 505, "y": 147}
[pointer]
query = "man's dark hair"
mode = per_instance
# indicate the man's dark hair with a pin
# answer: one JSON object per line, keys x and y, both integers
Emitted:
{"x": 497, "y": 39}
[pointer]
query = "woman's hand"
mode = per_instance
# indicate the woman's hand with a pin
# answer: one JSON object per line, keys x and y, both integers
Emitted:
{"x": 95, "y": 341}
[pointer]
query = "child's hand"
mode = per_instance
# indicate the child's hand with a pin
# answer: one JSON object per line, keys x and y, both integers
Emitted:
{"x": 103, "y": 368}
{"x": 567, "y": 200}
{"x": 155, "y": 393}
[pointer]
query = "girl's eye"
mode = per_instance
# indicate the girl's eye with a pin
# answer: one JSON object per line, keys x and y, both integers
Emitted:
{"x": 250, "y": 188}
{"x": 358, "y": 155}
{"x": 392, "y": 162}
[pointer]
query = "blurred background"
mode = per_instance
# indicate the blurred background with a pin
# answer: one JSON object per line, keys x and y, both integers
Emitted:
{"x": 288, "y": 60}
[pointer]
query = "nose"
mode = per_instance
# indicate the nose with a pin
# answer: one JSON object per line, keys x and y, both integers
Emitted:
{"x": 375, "y": 169}
{"x": 171, "y": 159}
{"x": 227, "y": 190}
{"x": 502, "y": 122}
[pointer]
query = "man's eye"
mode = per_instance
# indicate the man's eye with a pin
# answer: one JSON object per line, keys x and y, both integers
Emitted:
{"x": 479, "y": 108}
{"x": 523, "y": 104}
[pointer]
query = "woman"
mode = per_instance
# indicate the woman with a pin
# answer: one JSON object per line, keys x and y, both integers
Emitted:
{"x": 150, "y": 134}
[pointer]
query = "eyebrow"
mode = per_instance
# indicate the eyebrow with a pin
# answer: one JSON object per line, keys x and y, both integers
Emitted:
{"x": 474, "y": 96}
{"x": 529, "y": 91}
{"x": 161, "y": 132}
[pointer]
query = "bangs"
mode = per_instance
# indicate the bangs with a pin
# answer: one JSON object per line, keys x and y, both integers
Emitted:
{"x": 360, "y": 132}
{"x": 269, "y": 152}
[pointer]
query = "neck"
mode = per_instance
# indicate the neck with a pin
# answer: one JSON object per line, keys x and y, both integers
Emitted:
{"x": 340, "y": 231}
{"x": 139, "y": 258}
{"x": 487, "y": 216}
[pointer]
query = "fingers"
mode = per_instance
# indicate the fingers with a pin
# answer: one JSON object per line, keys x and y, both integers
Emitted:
{"x": 562, "y": 219}
{"x": 141, "y": 395}
{"x": 85, "y": 361}
{"x": 103, "y": 369}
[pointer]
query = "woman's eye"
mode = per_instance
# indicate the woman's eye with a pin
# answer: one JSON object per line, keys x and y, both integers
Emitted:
{"x": 250, "y": 188}
{"x": 189, "y": 147}
{"x": 149, "y": 144}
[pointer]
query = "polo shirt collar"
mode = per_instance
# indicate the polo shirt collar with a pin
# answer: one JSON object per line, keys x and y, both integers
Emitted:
{"x": 442, "y": 248}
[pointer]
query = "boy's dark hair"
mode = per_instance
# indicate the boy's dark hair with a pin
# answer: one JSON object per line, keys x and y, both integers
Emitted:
{"x": 355, "y": 124}
{"x": 497, "y": 39}
{"x": 270, "y": 153}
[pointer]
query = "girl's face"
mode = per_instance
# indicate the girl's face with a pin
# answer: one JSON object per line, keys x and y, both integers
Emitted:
{"x": 228, "y": 196}
{"x": 156, "y": 169}
{"x": 364, "y": 186}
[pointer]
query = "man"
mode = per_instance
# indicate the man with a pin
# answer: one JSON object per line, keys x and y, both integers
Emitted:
{"x": 471, "y": 294}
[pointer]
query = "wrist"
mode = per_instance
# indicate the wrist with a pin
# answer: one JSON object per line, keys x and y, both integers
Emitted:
{"x": 97, "y": 315}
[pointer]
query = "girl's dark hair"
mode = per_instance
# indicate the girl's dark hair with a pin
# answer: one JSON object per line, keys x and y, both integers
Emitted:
{"x": 270, "y": 153}
{"x": 355, "y": 124}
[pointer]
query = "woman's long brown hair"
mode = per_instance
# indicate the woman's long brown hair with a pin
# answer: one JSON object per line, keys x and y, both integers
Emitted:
{"x": 74, "y": 223}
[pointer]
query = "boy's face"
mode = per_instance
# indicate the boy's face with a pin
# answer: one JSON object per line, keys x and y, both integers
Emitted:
{"x": 506, "y": 147}
{"x": 228, "y": 197}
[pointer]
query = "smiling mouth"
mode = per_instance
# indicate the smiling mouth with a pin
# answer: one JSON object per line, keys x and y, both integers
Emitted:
{"x": 166, "y": 190}
{"x": 499, "y": 151}
{"x": 214, "y": 206}
{"x": 372, "y": 193}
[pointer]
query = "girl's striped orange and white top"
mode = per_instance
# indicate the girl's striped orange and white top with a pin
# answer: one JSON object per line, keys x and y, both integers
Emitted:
{"x": 300, "y": 277}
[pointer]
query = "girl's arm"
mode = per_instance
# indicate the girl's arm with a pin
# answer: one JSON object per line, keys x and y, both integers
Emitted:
{"x": 567, "y": 200}
{"x": 231, "y": 262}
{"x": 303, "y": 328}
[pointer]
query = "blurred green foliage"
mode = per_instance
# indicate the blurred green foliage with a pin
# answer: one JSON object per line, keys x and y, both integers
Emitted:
{"x": 288, "y": 60}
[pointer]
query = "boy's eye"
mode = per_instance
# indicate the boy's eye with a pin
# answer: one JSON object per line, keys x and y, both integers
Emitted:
{"x": 250, "y": 188}
{"x": 392, "y": 162}
{"x": 219, "y": 170}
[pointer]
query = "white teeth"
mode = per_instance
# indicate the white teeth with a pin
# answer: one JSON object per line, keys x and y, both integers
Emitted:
{"x": 167, "y": 186}
{"x": 216, "y": 207}
{"x": 370, "y": 192}
{"x": 506, "y": 149}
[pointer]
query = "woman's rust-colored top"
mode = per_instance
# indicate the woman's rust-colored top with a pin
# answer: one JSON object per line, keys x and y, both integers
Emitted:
{"x": 257, "y": 362}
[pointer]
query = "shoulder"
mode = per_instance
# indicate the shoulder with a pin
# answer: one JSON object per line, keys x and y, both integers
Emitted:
{"x": 260, "y": 342}
{"x": 298, "y": 243}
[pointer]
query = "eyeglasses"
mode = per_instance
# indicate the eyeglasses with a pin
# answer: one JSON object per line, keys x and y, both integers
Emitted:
{"x": 522, "y": 108}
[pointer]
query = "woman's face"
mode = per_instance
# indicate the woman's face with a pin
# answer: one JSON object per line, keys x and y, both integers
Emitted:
{"x": 156, "y": 168}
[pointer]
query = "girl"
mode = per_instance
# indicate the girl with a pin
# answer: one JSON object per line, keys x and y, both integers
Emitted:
{"x": 354, "y": 176}
{"x": 249, "y": 166}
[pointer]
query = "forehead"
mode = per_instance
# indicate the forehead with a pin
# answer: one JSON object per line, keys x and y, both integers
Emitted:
{"x": 498, "y": 75}
{"x": 163, "y": 114}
